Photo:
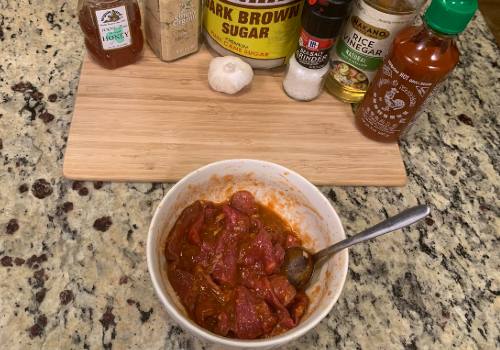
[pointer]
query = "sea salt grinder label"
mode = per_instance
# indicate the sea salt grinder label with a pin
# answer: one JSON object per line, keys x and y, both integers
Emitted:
{"x": 114, "y": 28}
{"x": 313, "y": 52}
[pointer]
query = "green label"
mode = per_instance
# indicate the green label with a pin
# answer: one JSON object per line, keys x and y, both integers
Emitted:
{"x": 357, "y": 59}
{"x": 116, "y": 35}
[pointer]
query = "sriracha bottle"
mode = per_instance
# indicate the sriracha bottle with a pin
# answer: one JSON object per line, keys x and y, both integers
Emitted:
{"x": 420, "y": 59}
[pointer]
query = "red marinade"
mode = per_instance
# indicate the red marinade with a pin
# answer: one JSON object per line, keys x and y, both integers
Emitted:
{"x": 224, "y": 263}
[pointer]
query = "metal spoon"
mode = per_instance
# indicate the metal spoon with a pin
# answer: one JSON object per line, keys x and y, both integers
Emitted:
{"x": 302, "y": 267}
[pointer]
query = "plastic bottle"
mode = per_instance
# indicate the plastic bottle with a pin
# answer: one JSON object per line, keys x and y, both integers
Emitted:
{"x": 321, "y": 23}
{"x": 112, "y": 29}
{"x": 420, "y": 59}
{"x": 365, "y": 41}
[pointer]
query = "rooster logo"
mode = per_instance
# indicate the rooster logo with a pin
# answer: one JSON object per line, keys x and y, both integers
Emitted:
{"x": 390, "y": 102}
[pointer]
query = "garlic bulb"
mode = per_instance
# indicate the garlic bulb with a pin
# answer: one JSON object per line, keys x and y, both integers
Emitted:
{"x": 229, "y": 74}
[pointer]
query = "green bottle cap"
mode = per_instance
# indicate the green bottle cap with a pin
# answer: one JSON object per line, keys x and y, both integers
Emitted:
{"x": 450, "y": 16}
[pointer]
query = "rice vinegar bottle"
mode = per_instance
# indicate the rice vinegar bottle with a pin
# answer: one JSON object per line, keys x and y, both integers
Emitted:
{"x": 366, "y": 39}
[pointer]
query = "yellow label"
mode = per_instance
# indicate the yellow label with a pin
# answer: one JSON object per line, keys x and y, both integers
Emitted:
{"x": 261, "y": 30}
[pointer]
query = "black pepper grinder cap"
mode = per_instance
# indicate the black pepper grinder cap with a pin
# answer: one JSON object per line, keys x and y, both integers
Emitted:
{"x": 324, "y": 18}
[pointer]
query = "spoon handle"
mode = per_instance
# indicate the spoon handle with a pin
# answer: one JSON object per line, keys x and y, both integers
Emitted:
{"x": 403, "y": 219}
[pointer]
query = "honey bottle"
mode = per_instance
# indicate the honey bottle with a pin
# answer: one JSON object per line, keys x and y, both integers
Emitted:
{"x": 112, "y": 29}
{"x": 421, "y": 58}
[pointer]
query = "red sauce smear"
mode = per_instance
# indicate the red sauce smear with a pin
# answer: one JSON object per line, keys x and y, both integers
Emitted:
{"x": 224, "y": 263}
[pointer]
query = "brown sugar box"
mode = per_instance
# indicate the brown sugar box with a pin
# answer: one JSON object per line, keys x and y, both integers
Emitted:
{"x": 173, "y": 27}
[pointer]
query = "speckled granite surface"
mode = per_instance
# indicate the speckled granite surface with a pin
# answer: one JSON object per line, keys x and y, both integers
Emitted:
{"x": 72, "y": 255}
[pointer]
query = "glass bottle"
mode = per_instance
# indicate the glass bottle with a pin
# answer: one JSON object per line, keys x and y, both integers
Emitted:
{"x": 366, "y": 39}
{"x": 112, "y": 29}
{"x": 420, "y": 59}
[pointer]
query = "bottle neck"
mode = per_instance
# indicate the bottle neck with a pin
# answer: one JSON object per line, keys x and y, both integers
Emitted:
{"x": 429, "y": 37}
{"x": 396, "y": 7}
{"x": 433, "y": 33}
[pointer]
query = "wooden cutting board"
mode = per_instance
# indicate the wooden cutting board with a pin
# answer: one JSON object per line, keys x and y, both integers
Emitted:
{"x": 156, "y": 121}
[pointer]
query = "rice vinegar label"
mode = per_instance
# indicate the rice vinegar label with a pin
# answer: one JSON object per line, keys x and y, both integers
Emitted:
{"x": 114, "y": 28}
{"x": 366, "y": 40}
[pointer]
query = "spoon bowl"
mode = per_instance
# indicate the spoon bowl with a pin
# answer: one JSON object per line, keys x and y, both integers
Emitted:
{"x": 298, "y": 266}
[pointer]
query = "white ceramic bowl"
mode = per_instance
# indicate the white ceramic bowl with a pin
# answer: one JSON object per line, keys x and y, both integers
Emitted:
{"x": 292, "y": 196}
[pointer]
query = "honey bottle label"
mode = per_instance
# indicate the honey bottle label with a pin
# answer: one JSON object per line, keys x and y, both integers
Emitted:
{"x": 114, "y": 28}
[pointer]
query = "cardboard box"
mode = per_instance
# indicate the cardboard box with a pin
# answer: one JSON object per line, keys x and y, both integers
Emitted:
{"x": 173, "y": 27}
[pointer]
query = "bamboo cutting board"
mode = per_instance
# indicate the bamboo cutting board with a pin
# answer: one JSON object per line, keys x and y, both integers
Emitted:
{"x": 156, "y": 121}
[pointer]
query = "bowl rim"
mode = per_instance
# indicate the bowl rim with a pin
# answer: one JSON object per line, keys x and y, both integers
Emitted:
{"x": 187, "y": 324}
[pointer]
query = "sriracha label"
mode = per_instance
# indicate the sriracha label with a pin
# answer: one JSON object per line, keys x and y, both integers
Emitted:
{"x": 395, "y": 100}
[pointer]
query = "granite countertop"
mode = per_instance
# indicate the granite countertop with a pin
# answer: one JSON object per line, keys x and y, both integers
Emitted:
{"x": 73, "y": 269}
